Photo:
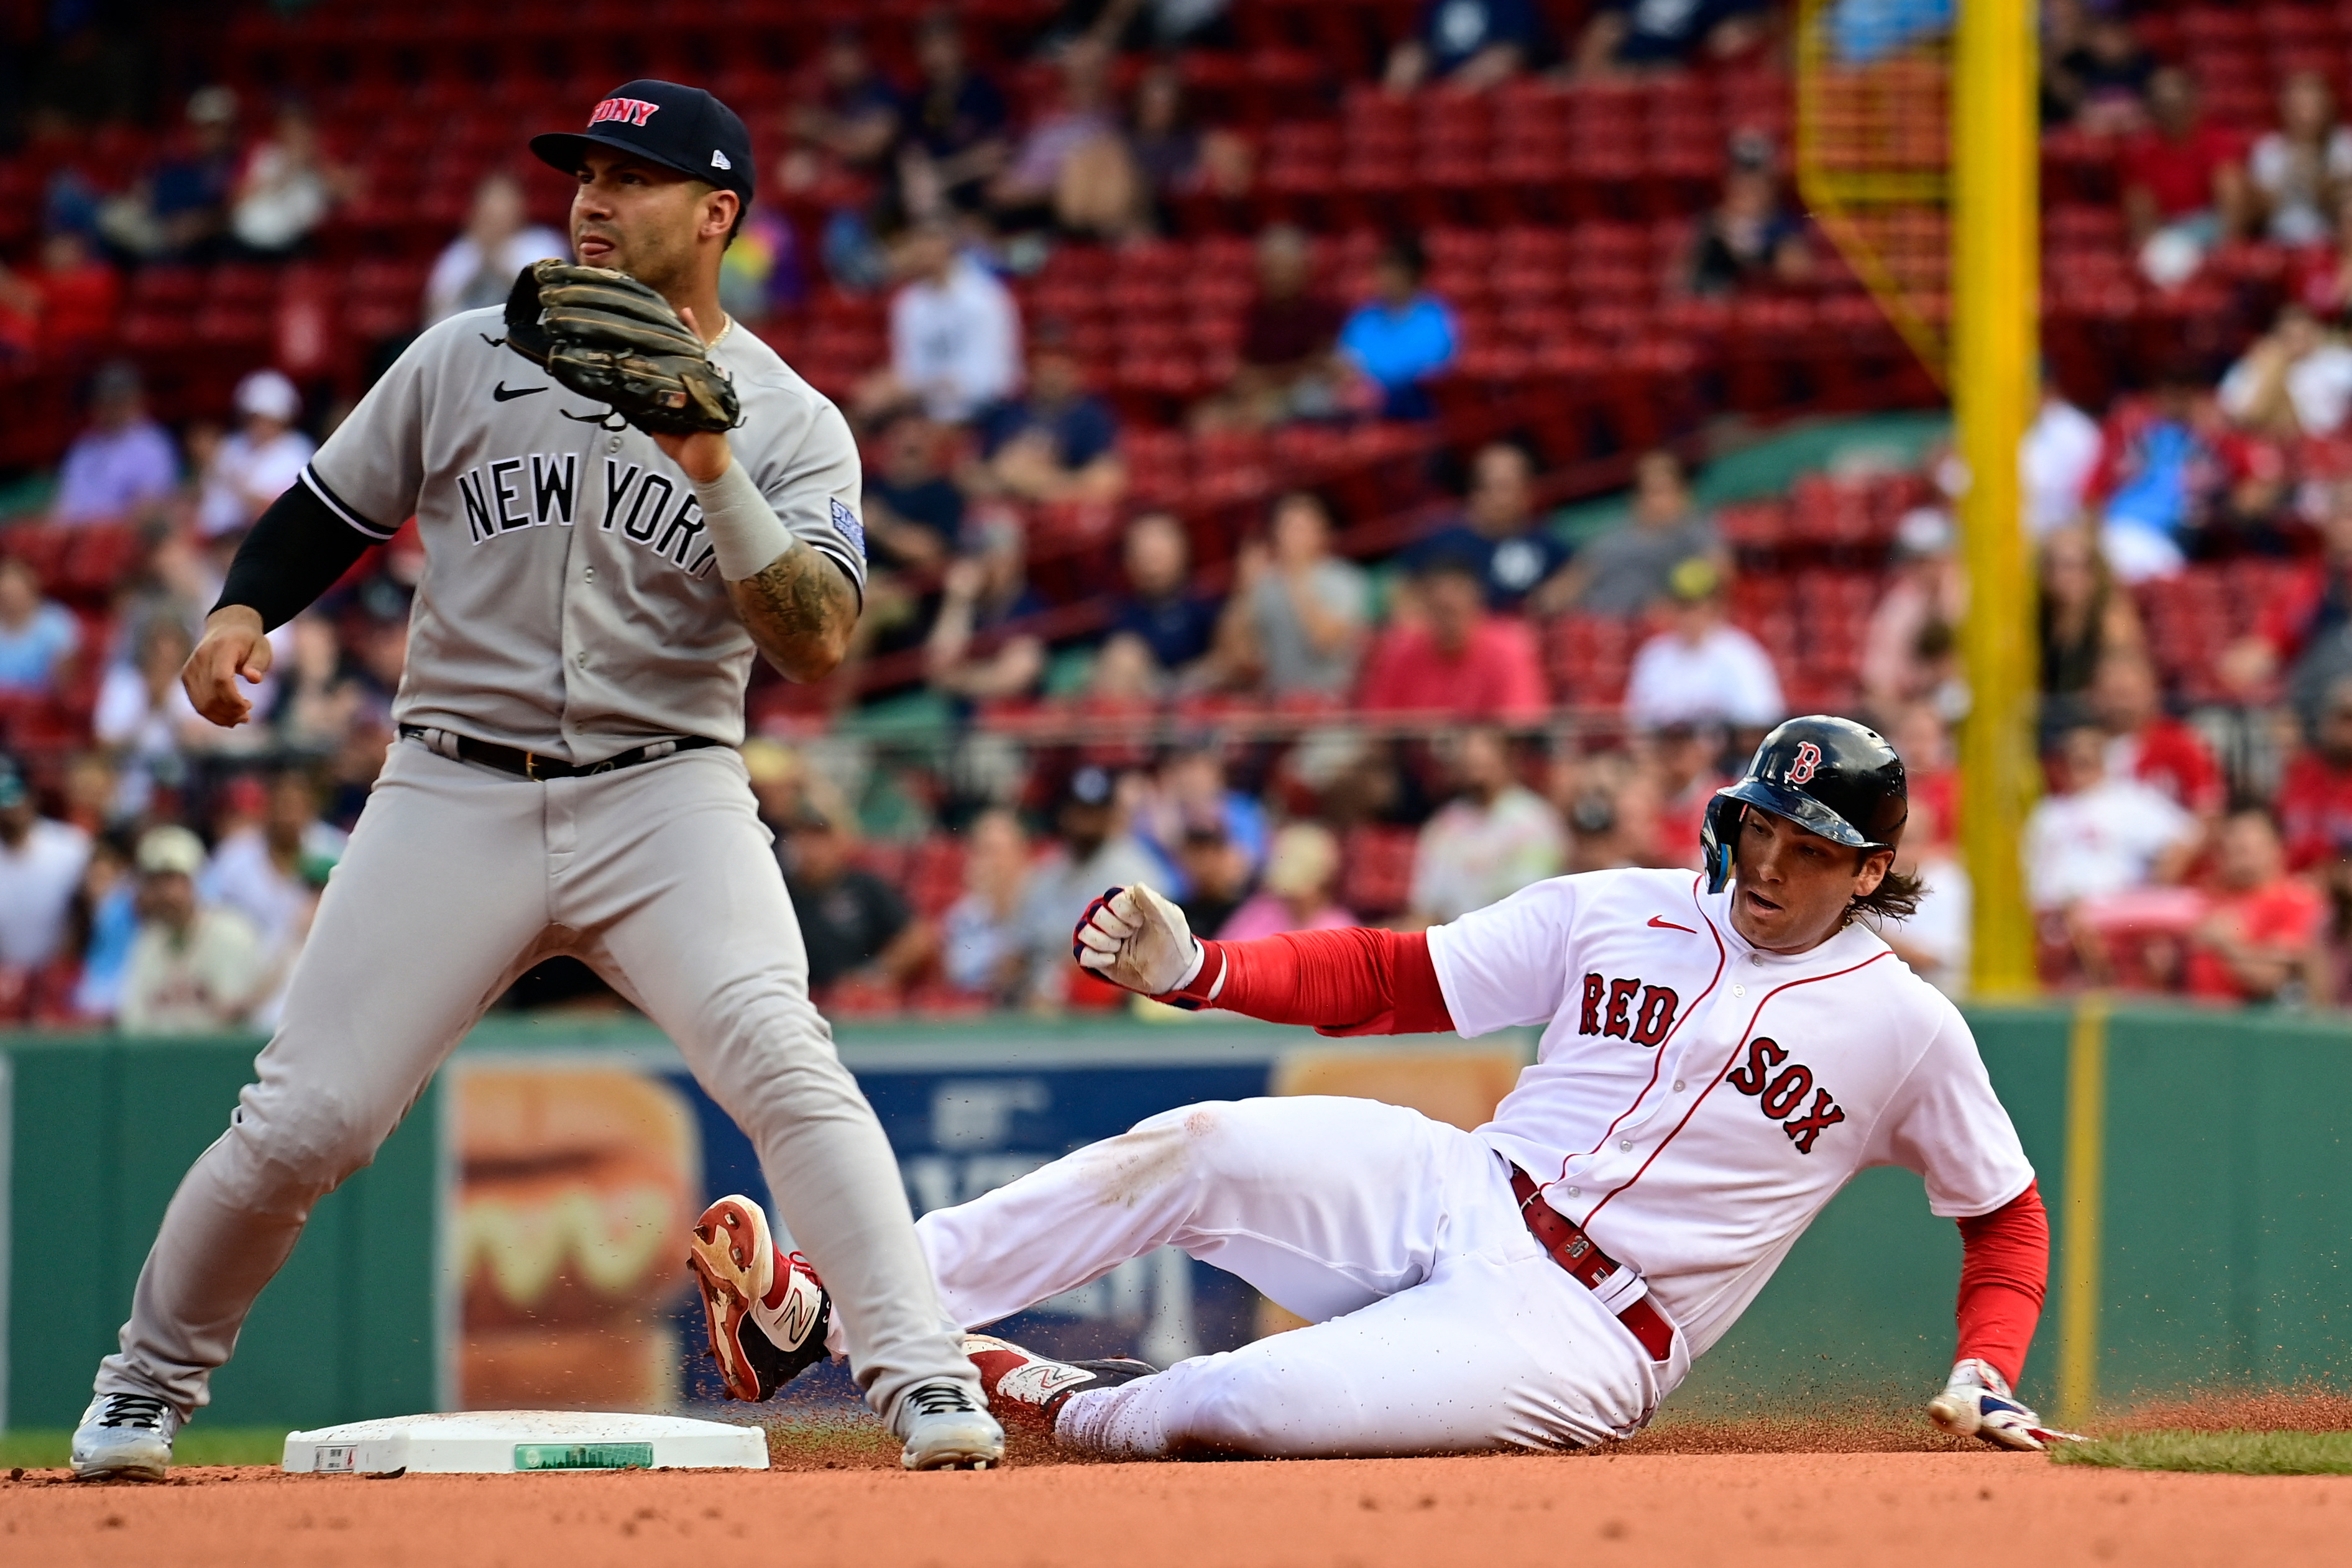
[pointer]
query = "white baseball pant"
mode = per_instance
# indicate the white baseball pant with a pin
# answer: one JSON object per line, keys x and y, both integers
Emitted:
{"x": 1438, "y": 1325}
{"x": 456, "y": 880}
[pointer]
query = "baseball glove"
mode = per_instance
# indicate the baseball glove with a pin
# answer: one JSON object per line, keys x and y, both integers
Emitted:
{"x": 609, "y": 337}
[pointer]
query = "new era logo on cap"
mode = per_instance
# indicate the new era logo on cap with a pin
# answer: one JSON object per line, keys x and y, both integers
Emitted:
{"x": 718, "y": 160}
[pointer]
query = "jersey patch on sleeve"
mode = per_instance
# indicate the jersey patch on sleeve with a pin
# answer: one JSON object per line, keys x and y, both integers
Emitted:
{"x": 845, "y": 523}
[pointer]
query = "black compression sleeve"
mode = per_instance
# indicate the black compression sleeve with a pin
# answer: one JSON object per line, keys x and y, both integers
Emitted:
{"x": 294, "y": 554}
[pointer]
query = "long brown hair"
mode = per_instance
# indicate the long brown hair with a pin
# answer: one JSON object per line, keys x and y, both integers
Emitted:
{"x": 1896, "y": 897}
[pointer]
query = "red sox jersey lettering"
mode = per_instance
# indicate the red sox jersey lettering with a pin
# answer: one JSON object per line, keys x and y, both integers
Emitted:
{"x": 1695, "y": 1100}
{"x": 1648, "y": 1024}
{"x": 1780, "y": 1094}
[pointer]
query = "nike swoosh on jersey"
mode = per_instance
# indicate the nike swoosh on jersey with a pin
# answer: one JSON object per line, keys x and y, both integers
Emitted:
{"x": 505, "y": 393}
{"x": 1663, "y": 924}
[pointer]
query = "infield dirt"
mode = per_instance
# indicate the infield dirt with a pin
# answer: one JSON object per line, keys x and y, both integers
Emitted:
{"x": 1675, "y": 1498}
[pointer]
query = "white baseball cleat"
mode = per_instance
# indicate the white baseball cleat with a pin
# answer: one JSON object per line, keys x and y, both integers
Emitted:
{"x": 1977, "y": 1403}
{"x": 766, "y": 1310}
{"x": 946, "y": 1431}
{"x": 125, "y": 1436}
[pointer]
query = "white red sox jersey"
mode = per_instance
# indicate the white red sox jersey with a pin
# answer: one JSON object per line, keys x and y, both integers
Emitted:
{"x": 1696, "y": 1101}
{"x": 572, "y": 602}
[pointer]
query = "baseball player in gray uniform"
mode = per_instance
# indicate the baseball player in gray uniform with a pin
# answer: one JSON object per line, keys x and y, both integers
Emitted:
{"x": 566, "y": 783}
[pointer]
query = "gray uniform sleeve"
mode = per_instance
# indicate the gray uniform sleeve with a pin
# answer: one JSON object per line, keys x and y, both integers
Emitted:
{"x": 817, "y": 492}
{"x": 372, "y": 469}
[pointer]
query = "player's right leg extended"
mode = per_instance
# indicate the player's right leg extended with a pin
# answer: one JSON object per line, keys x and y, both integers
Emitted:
{"x": 1439, "y": 1324}
{"x": 442, "y": 890}
{"x": 1305, "y": 1198}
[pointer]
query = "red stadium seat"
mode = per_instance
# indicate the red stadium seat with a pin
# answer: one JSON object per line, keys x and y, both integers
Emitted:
{"x": 1376, "y": 879}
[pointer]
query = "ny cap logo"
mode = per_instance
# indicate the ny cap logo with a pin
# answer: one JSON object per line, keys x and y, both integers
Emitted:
{"x": 634, "y": 110}
{"x": 1806, "y": 763}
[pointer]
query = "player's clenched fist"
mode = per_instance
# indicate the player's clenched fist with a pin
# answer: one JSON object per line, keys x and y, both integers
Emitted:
{"x": 1977, "y": 1403}
{"x": 1133, "y": 937}
{"x": 234, "y": 644}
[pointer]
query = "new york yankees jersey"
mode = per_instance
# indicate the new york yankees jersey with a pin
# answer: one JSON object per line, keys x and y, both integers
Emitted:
{"x": 572, "y": 602}
{"x": 1696, "y": 1101}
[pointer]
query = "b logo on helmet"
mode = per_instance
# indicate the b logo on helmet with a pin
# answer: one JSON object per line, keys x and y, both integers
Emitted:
{"x": 1805, "y": 764}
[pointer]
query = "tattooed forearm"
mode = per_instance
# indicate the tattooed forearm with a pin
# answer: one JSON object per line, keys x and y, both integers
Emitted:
{"x": 800, "y": 610}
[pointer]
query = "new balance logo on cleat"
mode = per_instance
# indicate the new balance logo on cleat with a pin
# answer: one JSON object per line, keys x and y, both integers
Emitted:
{"x": 766, "y": 1310}
{"x": 1036, "y": 1382}
{"x": 1029, "y": 1390}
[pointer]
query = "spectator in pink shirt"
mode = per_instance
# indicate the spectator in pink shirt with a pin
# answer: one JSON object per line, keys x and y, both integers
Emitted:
{"x": 1455, "y": 658}
{"x": 1297, "y": 894}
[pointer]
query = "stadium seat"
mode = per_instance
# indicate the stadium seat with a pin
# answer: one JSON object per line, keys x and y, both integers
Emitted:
{"x": 1376, "y": 878}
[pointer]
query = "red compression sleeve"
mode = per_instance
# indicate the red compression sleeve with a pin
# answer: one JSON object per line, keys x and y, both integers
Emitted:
{"x": 2004, "y": 1267}
{"x": 1354, "y": 980}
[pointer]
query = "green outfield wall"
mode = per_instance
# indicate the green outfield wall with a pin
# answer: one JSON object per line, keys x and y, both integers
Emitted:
{"x": 2213, "y": 1249}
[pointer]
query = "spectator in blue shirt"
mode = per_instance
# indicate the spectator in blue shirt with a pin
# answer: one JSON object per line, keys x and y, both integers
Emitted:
{"x": 850, "y": 110}
{"x": 958, "y": 125}
{"x": 1057, "y": 441}
{"x": 178, "y": 208}
{"x": 37, "y": 635}
{"x": 1403, "y": 336}
{"x": 914, "y": 512}
{"x": 1469, "y": 43}
{"x": 1158, "y": 606}
{"x": 122, "y": 467}
{"x": 1499, "y": 533}
{"x": 1653, "y": 35}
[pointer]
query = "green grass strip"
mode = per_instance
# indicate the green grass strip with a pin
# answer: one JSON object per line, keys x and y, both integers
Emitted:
{"x": 2218, "y": 1453}
{"x": 38, "y": 1450}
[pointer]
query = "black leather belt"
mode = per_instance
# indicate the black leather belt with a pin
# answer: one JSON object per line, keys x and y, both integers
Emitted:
{"x": 537, "y": 764}
{"x": 1573, "y": 1250}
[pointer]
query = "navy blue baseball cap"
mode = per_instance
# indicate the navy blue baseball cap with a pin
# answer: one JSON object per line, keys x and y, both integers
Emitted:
{"x": 681, "y": 128}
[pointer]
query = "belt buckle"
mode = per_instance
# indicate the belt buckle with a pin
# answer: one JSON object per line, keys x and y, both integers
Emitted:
{"x": 530, "y": 766}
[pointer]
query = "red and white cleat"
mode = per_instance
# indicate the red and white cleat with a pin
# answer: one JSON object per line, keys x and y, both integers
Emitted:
{"x": 766, "y": 1310}
{"x": 1025, "y": 1389}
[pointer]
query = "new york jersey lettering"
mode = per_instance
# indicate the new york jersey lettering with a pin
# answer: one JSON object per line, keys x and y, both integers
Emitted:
{"x": 503, "y": 491}
{"x": 552, "y": 484}
{"x": 637, "y": 504}
{"x": 616, "y": 490}
{"x": 497, "y": 502}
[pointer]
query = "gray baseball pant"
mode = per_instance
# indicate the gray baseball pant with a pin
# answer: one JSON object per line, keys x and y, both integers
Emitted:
{"x": 456, "y": 880}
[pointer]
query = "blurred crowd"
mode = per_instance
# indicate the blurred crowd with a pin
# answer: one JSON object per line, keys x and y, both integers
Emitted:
{"x": 1388, "y": 701}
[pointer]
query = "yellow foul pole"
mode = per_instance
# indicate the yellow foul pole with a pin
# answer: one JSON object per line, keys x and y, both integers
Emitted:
{"x": 1996, "y": 284}
{"x": 2082, "y": 1208}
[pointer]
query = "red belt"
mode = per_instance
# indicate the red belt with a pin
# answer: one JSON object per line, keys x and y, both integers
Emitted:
{"x": 1589, "y": 1265}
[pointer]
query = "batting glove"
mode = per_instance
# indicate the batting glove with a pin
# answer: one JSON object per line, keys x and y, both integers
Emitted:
{"x": 1977, "y": 1403}
{"x": 1133, "y": 937}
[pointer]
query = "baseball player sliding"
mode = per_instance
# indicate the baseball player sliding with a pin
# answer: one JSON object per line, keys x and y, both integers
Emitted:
{"x": 621, "y": 496}
{"x": 1721, "y": 1054}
